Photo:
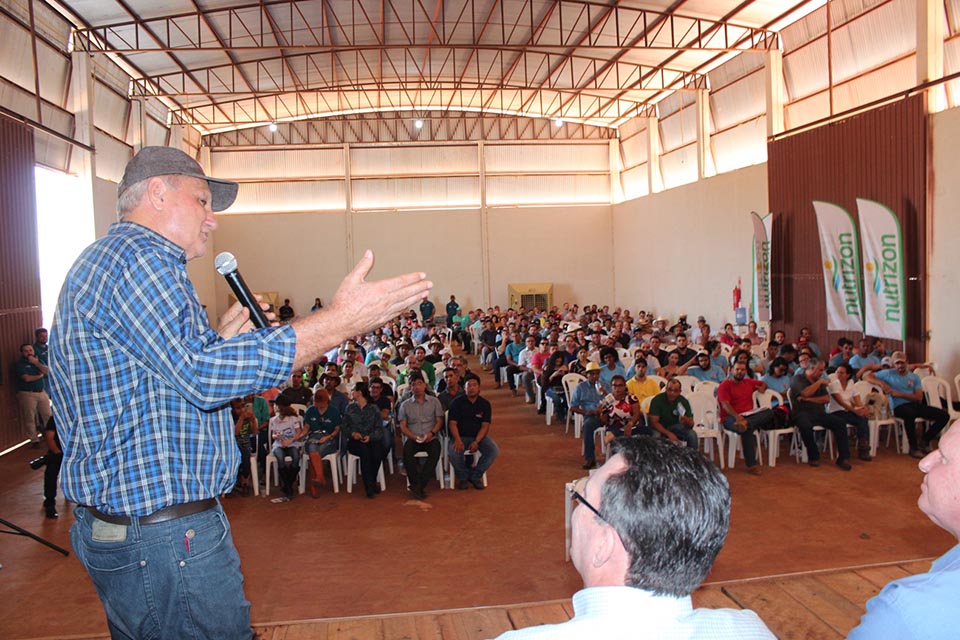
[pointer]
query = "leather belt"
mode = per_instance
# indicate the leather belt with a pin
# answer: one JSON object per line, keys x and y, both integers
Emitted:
{"x": 162, "y": 515}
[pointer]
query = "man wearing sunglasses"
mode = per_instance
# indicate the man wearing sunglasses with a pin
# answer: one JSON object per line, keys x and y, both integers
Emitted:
{"x": 640, "y": 560}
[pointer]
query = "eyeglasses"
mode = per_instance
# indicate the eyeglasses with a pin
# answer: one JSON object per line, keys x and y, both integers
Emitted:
{"x": 579, "y": 499}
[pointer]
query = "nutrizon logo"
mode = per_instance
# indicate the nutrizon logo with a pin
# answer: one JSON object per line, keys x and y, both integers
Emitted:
{"x": 840, "y": 255}
{"x": 883, "y": 267}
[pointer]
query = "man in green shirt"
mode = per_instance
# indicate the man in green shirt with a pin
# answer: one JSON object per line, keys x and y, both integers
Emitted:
{"x": 670, "y": 415}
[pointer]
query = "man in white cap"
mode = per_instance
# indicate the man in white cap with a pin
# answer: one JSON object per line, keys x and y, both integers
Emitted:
{"x": 925, "y": 605}
{"x": 141, "y": 387}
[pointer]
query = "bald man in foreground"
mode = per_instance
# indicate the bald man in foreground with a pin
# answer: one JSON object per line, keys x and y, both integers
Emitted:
{"x": 640, "y": 560}
{"x": 924, "y": 606}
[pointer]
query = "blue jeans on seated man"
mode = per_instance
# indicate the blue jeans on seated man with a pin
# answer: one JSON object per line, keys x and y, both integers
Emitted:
{"x": 685, "y": 434}
{"x": 488, "y": 453}
{"x": 762, "y": 419}
{"x": 176, "y": 579}
{"x": 590, "y": 426}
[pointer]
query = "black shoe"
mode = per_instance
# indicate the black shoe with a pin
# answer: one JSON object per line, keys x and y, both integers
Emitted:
{"x": 371, "y": 494}
{"x": 590, "y": 464}
{"x": 541, "y": 412}
{"x": 463, "y": 485}
{"x": 418, "y": 493}
{"x": 52, "y": 512}
{"x": 843, "y": 464}
{"x": 376, "y": 488}
{"x": 814, "y": 463}
{"x": 478, "y": 484}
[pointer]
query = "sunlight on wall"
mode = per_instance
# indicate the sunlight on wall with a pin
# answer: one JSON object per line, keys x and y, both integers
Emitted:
{"x": 64, "y": 227}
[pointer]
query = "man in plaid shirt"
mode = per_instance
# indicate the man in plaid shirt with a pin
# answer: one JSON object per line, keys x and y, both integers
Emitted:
{"x": 141, "y": 386}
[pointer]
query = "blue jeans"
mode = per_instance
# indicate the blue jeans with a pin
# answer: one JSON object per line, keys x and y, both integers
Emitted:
{"x": 686, "y": 434}
{"x": 590, "y": 425}
{"x": 152, "y": 586}
{"x": 488, "y": 453}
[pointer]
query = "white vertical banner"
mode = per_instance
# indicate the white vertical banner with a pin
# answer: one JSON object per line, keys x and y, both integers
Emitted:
{"x": 883, "y": 275}
{"x": 840, "y": 260}
{"x": 762, "y": 237}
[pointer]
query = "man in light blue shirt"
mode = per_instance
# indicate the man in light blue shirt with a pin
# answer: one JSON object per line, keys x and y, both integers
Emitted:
{"x": 645, "y": 593}
{"x": 704, "y": 369}
{"x": 865, "y": 356}
{"x": 906, "y": 393}
{"x": 925, "y": 605}
{"x": 585, "y": 401}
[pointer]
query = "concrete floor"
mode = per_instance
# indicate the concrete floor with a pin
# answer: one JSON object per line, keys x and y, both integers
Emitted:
{"x": 470, "y": 548}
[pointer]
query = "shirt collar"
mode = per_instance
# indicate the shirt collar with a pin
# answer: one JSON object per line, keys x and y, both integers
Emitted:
{"x": 627, "y": 602}
{"x": 125, "y": 227}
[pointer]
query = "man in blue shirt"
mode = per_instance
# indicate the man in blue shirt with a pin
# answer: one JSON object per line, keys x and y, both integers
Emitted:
{"x": 704, "y": 369}
{"x": 906, "y": 392}
{"x": 586, "y": 402}
{"x": 865, "y": 356}
{"x": 925, "y": 605}
{"x": 141, "y": 387}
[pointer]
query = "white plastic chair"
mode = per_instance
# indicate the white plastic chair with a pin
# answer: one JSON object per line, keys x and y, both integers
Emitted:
{"x": 863, "y": 389}
{"x": 687, "y": 384}
{"x": 706, "y": 422}
{"x": 625, "y": 358}
{"x": 707, "y": 386}
{"x": 765, "y": 401}
{"x": 353, "y": 464}
{"x": 936, "y": 390}
{"x": 570, "y": 382}
{"x": 661, "y": 381}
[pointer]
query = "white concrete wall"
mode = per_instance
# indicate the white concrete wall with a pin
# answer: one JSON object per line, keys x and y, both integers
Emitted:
{"x": 944, "y": 264}
{"x": 696, "y": 241}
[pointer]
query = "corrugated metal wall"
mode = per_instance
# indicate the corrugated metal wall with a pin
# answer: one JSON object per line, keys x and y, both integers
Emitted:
{"x": 20, "y": 310}
{"x": 880, "y": 155}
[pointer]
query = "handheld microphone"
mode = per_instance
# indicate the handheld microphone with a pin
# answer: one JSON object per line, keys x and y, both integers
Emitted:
{"x": 226, "y": 265}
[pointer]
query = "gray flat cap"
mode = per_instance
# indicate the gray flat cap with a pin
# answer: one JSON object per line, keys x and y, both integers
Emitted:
{"x": 166, "y": 161}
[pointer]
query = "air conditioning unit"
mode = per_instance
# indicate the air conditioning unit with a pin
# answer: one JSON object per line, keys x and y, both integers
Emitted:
{"x": 530, "y": 294}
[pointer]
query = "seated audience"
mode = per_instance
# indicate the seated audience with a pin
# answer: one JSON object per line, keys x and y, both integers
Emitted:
{"x": 585, "y": 401}
{"x": 672, "y": 369}
{"x": 552, "y": 382}
{"x": 777, "y": 377}
{"x": 671, "y": 416}
{"x": 904, "y": 388}
{"x": 809, "y": 410}
{"x": 702, "y": 368}
{"x": 420, "y": 418}
{"x": 469, "y": 423}
{"x": 737, "y": 412}
{"x": 366, "y": 439}
{"x": 611, "y": 367}
{"x": 845, "y": 404}
{"x": 286, "y": 433}
{"x": 620, "y": 411}
{"x": 322, "y": 421}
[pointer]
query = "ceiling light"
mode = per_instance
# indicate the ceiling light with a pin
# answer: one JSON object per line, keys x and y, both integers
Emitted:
{"x": 273, "y": 127}
{"x": 418, "y": 124}
{"x": 557, "y": 122}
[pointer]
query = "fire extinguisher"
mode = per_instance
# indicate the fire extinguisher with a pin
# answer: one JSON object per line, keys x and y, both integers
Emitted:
{"x": 736, "y": 296}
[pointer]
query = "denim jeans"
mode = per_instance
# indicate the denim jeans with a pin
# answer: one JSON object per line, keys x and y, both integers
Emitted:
{"x": 590, "y": 425}
{"x": 686, "y": 434}
{"x": 488, "y": 453}
{"x": 762, "y": 419}
{"x": 177, "y": 579}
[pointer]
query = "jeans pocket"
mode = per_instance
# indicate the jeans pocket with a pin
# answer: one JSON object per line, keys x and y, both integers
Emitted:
{"x": 201, "y": 536}
{"x": 120, "y": 572}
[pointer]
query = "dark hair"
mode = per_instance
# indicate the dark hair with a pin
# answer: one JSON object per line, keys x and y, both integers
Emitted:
{"x": 846, "y": 367}
{"x": 470, "y": 376}
{"x": 414, "y": 376}
{"x": 711, "y": 345}
{"x": 671, "y": 508}
{"x": 618, "y": 377}
{"x": 607, "y": 351}
{"x": 364, "y": 390}
{"x": 787, "y": 348}
{"x": 777, "y": 362}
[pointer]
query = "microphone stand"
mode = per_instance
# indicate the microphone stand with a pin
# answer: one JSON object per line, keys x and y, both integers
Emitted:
{"x": 18, "y": 531}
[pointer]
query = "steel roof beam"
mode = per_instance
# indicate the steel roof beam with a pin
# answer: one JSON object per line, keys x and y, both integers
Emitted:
{"x": 628, "y": 27}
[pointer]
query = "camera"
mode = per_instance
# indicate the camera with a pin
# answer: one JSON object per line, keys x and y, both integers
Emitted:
{"x": 37, "y": 463}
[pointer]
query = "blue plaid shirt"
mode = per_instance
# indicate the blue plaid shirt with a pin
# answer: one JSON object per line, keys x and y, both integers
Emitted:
{"x": 140, "y": 382}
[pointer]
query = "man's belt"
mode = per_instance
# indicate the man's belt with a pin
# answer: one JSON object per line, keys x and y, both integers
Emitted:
{"x": 163, "y": 515}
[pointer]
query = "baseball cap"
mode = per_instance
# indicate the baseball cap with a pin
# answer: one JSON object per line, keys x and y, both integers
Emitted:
{"x": 150, "y": 162}
{"x": 898, "y": 356}
{"x": 886, "y": 362}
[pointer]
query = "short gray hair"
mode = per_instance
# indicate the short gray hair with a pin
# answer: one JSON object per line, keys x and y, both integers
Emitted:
{"x": 132, "y": 196}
